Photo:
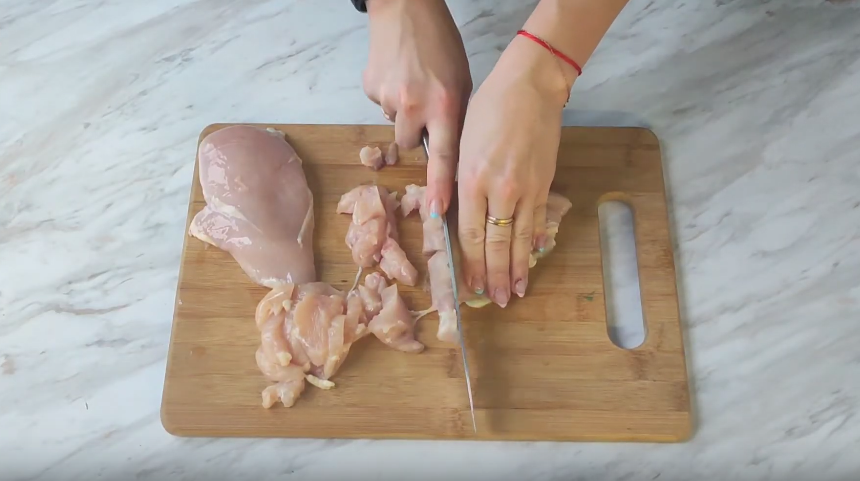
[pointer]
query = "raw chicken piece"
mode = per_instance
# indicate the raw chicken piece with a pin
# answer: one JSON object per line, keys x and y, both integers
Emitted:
{"x": 369, "y": 226}
{"x": 290, "y": 381}
{"x": 442, "y": 296}
{"x": 371, "y": 294}
{"x": 556, "y": 207}
{"x": 285, "y": 391}
{"x": 280, "y": 297}
{"x": 258, "y": 204}
{"x": 391, "y": 205}
{"x": 441, "y": 288}
{"x": 395, "y": 324}
{"x": 365, "y": 241}
{"x": 392, "y": 155}
{"x": 395, "y": 264}
{"x": 371, "y": 157}
{"x": 372, "y": 235}
{"x": 434, "y": 235}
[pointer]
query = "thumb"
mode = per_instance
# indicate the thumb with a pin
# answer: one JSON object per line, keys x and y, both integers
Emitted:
{"x": 443, "y": 154}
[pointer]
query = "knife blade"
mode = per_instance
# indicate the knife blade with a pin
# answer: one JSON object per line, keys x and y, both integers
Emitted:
{"x": 453, "y": 272}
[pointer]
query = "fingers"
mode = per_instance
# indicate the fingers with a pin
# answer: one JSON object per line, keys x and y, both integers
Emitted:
{"x": 407, "y": 129}
{"x": 442, "y": 163}
{"x": 521, "y": 245}
{"x": 471, "y": 231}
{"x": 539, "y": 223}
{"x": 498, "y": 248}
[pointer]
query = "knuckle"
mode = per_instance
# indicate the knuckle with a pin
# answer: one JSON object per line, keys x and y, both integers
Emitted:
{"x": 472, "y": 235}
{"x": 497, "y": 240}
{"x": 448, "y": 100}
{"x": 507, "y": 189}
{"x": 410, "y": 99}
{"x": 523, "y": 233}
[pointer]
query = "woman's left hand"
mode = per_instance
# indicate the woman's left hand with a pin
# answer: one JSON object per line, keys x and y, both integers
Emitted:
{"x": 507, "y": 162}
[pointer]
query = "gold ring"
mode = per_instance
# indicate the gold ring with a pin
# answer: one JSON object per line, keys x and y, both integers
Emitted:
{"x": 500, "y": 222}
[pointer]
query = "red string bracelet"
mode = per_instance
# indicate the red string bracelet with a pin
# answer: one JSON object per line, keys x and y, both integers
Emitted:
{"x": 543, "y": 43}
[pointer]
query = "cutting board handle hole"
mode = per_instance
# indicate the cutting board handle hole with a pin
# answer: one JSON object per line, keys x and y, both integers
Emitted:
{"x": 624, "y": 319}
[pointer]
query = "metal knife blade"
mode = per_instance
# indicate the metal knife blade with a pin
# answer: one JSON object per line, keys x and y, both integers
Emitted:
{"x": 456, "y": 303}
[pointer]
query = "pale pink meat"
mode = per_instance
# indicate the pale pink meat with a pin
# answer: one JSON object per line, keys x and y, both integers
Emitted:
{"x": 556, "y": 207}
{"x": 434, "y": 235}
{"x": 258, "y": 204}
{"x": 438, "y": 270}
{"x": 395, "y": 323}
{"x": 442, "y": 296}
{"x": 371, "y": 157}
{"x": 372, "y": 234}
{"x": 307, "y": 330}
{"x": 395, "y": 264}
{"x": 371, "y": 294}
{"x": 365, "y": 241}
{"x": 290, "y": 381}
{"x": 393, "y": 154}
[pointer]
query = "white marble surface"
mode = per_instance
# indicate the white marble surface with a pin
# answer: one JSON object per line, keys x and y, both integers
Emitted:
{"x": 757, "y": 104}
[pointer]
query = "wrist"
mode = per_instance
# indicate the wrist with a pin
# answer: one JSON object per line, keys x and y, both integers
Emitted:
{"x": 548, "y": 75}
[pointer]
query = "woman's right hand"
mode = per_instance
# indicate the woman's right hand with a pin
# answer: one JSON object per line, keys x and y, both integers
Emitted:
{"x": 417, "y": 71}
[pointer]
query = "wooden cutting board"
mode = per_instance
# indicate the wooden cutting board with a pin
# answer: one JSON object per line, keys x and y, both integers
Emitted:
{"x": 544, "y": 368}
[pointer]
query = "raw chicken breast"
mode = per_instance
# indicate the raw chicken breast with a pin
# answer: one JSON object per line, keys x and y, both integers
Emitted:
{"x": 372, "y": 235}
{"x": 395, "y": 324}
{"x": 258, "y": 204}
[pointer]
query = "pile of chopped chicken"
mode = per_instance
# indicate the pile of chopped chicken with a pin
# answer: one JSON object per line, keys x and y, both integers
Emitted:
{"x": 306, "y": 331}
{"x": 372, "y": 235}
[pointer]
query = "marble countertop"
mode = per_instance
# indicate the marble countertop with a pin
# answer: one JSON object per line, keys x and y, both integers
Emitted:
{"x": 757, "y": 105}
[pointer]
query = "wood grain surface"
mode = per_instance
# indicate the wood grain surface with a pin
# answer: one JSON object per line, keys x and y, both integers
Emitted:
{"x": 544, "y": 368}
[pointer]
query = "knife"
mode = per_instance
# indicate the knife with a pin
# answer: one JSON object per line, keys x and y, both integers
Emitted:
{"x": 456, "y": 300}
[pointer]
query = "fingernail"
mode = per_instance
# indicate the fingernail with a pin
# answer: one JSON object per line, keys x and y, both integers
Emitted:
{"x": 501, "y": 296}
{"x": 434, "y": 209}
{"x": 478, "y": 286}
{"x": 520, "y": 287}
{"x": 540, "y": 243}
